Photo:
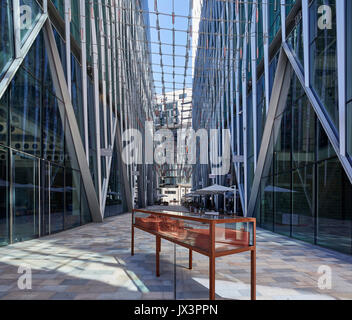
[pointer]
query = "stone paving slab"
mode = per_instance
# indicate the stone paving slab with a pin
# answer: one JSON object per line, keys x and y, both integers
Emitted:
{"x": 94, "y": 262}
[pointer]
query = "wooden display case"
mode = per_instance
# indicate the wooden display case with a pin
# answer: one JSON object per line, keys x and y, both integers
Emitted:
{"x": 212, "y": 236}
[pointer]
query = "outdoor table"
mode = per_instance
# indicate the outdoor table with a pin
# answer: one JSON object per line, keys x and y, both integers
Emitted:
{"x": 212, "y": 236}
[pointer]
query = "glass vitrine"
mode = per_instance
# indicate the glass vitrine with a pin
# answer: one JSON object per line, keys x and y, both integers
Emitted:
{"x": 210, "y": 235}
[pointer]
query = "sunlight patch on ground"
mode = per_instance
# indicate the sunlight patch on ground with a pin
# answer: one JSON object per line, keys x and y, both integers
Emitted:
{"x": 235, "y": 289}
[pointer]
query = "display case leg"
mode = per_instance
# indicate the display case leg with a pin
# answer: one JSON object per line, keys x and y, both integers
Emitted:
{"x": 253, "y": 275}
{"x": 190, "y": 259}
{"x": 212, "y": 278}
{"x": 158, "y": 248}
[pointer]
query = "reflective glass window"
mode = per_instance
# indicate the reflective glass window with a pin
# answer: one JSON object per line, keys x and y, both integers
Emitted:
{"x": 57, "y": 198}
{"x": 4, "y": 197}
{"x": 53, "y": 130}
{"x": 323, "y": 61}
{"x": 304, "y": 132}
{"x": 295, "y": 41}
{"x": 334, "y": 206}
{"x": 4, "y": 106}
{"x": 25, "y": 106}
{"x": 25, "y": 197}
{"x": 282, "y": 150}
{"x": 267, "y": 203}
{"x": 282, "y": 203}
{"x": 303, "y": 204}
{"x": 6, "y": 36}
{"x": 73, "y": 199}
{"x": 30, "y": 14}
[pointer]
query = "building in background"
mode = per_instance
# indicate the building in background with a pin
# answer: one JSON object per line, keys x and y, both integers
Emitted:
{"x": 279, "y": 78}
{"x": 174, "y": 112}
{"x": 72, "y": 79}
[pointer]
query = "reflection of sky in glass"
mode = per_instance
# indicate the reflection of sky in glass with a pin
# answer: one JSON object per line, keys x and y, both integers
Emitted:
{"x": 166, "y": 37}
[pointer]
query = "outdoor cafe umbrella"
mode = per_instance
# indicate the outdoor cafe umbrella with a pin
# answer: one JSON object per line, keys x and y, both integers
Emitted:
{"x": 215, "y": 190}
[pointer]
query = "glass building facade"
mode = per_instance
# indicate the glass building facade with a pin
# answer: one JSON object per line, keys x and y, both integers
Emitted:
{"x": 280, "y": 80}
{"x": 67, "y": 70}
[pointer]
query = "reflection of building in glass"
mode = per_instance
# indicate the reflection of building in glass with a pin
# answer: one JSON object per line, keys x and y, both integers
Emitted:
{"x": 282, "y": 83}
{"x": 174, "y": 112}
{"x": 67, "y": 91}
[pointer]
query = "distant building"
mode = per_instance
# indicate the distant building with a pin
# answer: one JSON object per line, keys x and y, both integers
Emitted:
{"x": 174, "y": 111}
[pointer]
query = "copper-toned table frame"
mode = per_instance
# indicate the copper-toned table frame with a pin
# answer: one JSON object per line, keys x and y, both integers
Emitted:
{"x": 212, "y": 254}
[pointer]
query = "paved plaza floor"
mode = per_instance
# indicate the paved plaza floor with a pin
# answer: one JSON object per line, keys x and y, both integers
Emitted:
{"x": 94, "y": 262}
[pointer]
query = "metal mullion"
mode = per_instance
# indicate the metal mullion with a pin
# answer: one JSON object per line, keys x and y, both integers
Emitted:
{"x": 265, "y": 8}
{"x": 103, "y": 76}
{"x": 305, "y": 24}
{"x": 341, "y": 67}
{"x": 84, "y": 75}
{"x": 38, "y": 197}
{"x": 16, "y": 20}
{"x": 49, "y": 197}
{"x": 283, "y": 20}
{"x": 244, "y": 109}
{"x": 96, "y": 97}
{"x": 109, "y": 45}
{"x": 68, "y": 44}
{"x": 10, "y": 197}
{"x": 254, "y": 83}
{"x": 114, "y": 40}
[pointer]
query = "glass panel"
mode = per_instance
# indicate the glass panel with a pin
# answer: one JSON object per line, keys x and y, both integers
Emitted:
{"x": 325, "y": 149}
{"x": 274, "y": 18}
{"x": 349, "y": 49}
{"x": 349, "y": 128}
{"x": 303, "y": 204}
{"x": 304, "y": 132}
{"x": 334, "y": 207}
{"x": 75, "y": 21}
{"x": 25, "y": 197}
{"x": 295, "y": 41}
{"x": 86, "y": 216}
{"x": 6, "y": 36}
{"x": 25, "y": 105}
{"x": 73, "y": 199}
{"x": 4, "y": 196}
{"x": 114, "y": 200}
{"x": 30, "y": 14}
{"x": 4, "y": 106}
{"x": 77, "y": 94}
{"x": 60, "y": 6}
{"x": 53, "y": 130}
{"x": 57, "y": 198}
{"x": 267, "y": 205}
{"x": 282, "y": 149}
{"x": 282, "y": 201}
{"x": 323, "y": 61}
{"x": 34, "y": 60}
